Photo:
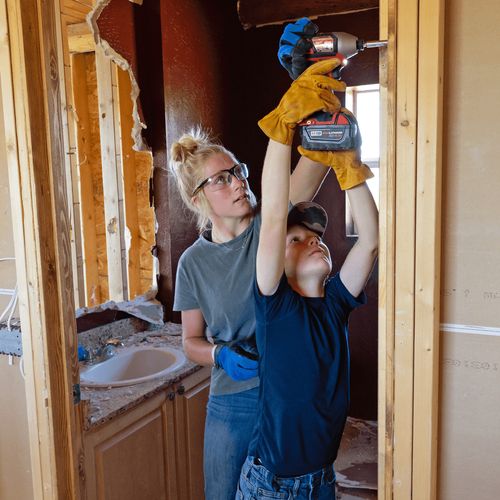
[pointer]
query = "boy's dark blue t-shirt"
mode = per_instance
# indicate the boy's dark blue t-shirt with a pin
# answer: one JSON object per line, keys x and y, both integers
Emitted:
{"x": 304, "y": 373}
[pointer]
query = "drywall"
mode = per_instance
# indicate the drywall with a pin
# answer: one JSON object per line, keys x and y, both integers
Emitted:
{"x": 15, "y": 465}
{"x": 469, "y": 432}
{"x": 469, "y": 401}
{"x": 7, "y": 269}
{"x": 471, "y": 184}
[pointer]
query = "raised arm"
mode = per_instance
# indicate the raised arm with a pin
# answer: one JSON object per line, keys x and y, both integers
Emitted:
{"x": 311, "y": 92}
{"x": 359, "y": 261}
{"x": 275, "y": 195}
{"x": 306, "y": 179}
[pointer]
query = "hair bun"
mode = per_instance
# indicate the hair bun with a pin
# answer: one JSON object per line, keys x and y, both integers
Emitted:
{"x": 183, "y": 148}
{"x": 188, "y": 144}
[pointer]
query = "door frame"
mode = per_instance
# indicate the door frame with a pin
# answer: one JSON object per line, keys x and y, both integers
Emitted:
{"x": 32, "y": 82}
{"x": 411, "y": 82}
{"x": 411, "y": 86}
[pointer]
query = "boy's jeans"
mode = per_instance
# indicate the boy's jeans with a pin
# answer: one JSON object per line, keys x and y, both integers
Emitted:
{"x": 228, "y": 430}
{"x": 256, "y": 482}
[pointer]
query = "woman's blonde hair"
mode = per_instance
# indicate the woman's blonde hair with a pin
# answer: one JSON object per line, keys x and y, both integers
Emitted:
{"x": 187, "y": 159}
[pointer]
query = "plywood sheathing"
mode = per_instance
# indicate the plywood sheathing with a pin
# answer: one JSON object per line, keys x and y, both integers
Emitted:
{"x": 262, "y": 12}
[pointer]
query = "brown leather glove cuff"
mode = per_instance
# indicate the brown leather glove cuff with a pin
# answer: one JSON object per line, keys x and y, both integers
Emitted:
{"x": 274, "y": 127}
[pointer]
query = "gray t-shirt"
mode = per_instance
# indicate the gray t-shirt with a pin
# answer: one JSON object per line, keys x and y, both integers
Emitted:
{"x": 218, "y": 279}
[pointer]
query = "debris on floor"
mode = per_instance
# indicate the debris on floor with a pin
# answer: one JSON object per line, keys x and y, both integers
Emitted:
{"x": 356, "y": 464}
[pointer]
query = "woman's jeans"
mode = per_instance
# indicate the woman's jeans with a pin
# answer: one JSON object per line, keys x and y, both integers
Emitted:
{"x": 228, "y": 430}
{"x": 257, "y": 483}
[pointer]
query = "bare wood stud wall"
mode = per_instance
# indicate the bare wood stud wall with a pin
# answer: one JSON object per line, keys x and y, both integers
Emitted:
{"x": 113, "y": 223}
{"x": 31, "y": 81}
{"x": 410, "y": 247}
{"x": 428, "y": 247}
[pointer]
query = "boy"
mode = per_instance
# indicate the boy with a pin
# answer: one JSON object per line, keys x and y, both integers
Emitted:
{"x": 302, "y": 328}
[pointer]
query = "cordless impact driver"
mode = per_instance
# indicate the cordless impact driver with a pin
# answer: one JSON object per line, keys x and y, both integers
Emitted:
{"x": 324, "y": 131}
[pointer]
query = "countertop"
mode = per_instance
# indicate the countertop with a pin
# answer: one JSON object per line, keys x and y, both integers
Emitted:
{"x": 102, "y": 404}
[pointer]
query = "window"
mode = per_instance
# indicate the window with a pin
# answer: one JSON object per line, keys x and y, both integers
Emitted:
{"x": 364, "y": 102}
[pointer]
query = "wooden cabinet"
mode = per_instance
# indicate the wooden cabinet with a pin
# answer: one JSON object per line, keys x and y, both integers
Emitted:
{"x": 154, "y": 451}
{"x": 190, "y": 411}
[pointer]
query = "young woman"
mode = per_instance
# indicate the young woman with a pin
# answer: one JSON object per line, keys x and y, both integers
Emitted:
{"x": 215, "y": 276}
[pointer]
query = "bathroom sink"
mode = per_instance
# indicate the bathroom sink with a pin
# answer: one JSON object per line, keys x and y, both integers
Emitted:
{"x": 133, "y": 365}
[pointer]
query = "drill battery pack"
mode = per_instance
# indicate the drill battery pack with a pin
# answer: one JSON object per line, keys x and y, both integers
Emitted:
{"x": 326, "y": 132}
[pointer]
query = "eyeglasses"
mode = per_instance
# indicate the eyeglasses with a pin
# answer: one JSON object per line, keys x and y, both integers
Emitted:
{"x": 223, "y": 178}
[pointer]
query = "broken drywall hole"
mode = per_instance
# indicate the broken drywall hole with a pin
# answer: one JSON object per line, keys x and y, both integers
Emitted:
{"x": 120, "y": 61}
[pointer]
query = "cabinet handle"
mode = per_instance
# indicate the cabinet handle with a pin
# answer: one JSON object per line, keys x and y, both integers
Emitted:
{"x": 171, "y": 396}
{"x": 181, "y": 390}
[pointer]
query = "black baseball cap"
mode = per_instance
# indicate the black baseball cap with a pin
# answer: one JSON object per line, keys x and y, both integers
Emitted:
{"x": 310, "y": 215}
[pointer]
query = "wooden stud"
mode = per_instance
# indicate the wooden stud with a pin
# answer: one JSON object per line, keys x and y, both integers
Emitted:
{"x": 85, "y": 157}
{"x": 406, "y": 133}
{"x": 80, "y": 39}
{"x": 428, "y": 248}
{"x": 109, "y": 175}
{"x": 386, "y": 250}
{"x": 120, "y": 177}
{"x": 30, "y": 86}
{"x": 129, "y": 181}
{"x": 71, "y": 165}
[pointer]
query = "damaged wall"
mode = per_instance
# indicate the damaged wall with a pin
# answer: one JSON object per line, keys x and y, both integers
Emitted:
{"x": 470, "y": 342}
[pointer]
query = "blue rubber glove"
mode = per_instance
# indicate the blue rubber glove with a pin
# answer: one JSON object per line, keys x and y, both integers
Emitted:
{"x": 294, "y": 43}
{"x": 237, "y": 366}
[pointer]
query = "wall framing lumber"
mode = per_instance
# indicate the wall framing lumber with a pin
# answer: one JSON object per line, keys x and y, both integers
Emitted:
{"x": 119, "y": 154}
{"x": 31, "y": 82}
{"x": 428, "y": 248}
{"x": 386, "y": 250}
{"x": 70, "y": 164}
{"x": 84, "y": 155}
{"x": 411, "y": 90}
{"x": 109, "y": 175}
{"x": 129, "y": 181}
{"x": 406, "y": 157}
{"x": 80, "y": 38}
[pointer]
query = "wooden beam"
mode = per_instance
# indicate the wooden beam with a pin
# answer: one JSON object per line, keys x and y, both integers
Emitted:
{"x": 35, "y": 151}
{"x": 72, "y": 177}
{"x": 428, "y": 248}
{"x": 129, "y": 181}
{"x": 262, "y": 12}
{"x": 80, "y": 38}
{"x": 85, "y": 157}
{"x": 406, "y": 151}
{"x": 386, "y": 294}
{"x": 109, "y": 175}
{"x": 120, "y": 178}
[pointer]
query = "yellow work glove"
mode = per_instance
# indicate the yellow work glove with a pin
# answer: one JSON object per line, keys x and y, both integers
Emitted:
{"x": 311, "y": 92}
{"x": 346, "y": 164}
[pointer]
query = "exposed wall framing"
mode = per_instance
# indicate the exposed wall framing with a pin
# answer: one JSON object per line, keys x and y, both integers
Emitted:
{"x": 411, "y": 90}
{"x": 114, "y": 220}
{"x": 31, "y": 78}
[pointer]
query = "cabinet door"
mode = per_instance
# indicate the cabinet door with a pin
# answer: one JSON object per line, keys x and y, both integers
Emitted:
{"x": 190, "y": 413}
{"x": 128, "y": 459}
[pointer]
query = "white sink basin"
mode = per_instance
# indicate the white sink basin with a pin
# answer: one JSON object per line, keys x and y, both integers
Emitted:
{"x": 133, "y": 365}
